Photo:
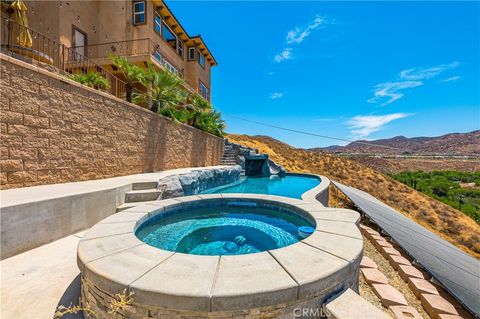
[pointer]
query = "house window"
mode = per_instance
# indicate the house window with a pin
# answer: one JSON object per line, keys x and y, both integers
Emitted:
{"x": 203, "y": 90}
{"x": 169, "y": 36}
{"x": 157, "y": 56}
{"x": 138, "y": 12}
{"x": 191, "y": 53}
{"x": 201, "y": 59}
{"x": 180, "y": 48}
{"x": 157, "y": 23}
{"x": 79, "y": 43}
{"x": 170, "y": 67}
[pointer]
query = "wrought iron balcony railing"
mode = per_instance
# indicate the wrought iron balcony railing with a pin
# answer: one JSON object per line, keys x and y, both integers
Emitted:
{"x": 46, "y": 50}
{"x": 130, "y": 48}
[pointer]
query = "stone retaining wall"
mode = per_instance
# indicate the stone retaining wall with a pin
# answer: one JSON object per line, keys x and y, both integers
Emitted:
{"x": 100, "y": 301}
{"x": 55, "y": 130}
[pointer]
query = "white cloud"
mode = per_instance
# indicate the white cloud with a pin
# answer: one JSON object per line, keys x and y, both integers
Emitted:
{"x": 297, "y": 35}
{"x": 286, "y": 54}
{"x": 388, "y": 92}
{"x": 451, "y": 79}
{"x": 276, "y": 95}
{"x": 363, "y": 125}
{"x": 427, "y": 73}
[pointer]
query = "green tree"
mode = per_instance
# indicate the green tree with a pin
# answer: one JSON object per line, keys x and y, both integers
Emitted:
{"x": 132, "y": 73}
{"x": 165, "y": 90}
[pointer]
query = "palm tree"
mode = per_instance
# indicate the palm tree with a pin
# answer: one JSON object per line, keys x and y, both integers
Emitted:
{"x": 165, "y": 91}
{"x": 209, "y": 121}
{"x": 133, "y": 74}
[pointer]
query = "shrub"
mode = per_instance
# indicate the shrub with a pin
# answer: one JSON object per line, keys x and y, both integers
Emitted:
{"x": 92, "y": 79}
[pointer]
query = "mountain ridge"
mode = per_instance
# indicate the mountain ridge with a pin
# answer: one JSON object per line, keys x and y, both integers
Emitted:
{"x": 452, "y": 143}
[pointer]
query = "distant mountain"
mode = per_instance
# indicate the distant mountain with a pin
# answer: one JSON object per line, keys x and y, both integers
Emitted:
{"x": 455, "y": 143}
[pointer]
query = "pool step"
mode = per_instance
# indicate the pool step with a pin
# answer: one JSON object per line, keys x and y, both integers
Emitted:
{"x": 126, "y": 206}
{"x": 144, "y": 185}
{"x": 142, "y": 195}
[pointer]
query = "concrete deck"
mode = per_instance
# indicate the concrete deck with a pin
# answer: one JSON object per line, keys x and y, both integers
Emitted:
{"x": 34, "y": 283}
{"x": 38, "y": 215}
{"x": 18, "y": 196}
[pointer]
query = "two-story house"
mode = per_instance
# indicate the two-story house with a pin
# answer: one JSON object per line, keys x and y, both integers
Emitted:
{"x": 142, "y": 30}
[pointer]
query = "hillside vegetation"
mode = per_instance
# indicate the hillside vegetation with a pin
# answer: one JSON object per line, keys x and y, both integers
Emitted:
{"x": 442, "y": 219}
{"x": 461, "y": 190}
{"x": 398, "y": 165}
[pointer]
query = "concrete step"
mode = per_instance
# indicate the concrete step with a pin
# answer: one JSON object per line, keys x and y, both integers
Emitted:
{"x": 142, "y": 195}
{"x": 144, "y": 185}
{"x": 126, "y": 206}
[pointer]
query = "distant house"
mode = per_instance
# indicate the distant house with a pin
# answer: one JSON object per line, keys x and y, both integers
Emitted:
{"x": 144, "y": 30}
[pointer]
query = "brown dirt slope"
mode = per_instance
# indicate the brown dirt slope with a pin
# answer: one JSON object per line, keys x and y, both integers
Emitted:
{"x": 441, "y": 219}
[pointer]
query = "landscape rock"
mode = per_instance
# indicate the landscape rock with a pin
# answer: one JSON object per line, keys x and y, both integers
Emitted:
{"x": 195, "y": 182}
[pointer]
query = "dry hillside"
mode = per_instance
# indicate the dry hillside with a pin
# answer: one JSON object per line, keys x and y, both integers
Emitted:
{"x": 445, "y": 221}
{"x": 397, "y": 165}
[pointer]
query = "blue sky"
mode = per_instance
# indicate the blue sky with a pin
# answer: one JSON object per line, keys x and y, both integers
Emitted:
{"x": 354, "y": 70}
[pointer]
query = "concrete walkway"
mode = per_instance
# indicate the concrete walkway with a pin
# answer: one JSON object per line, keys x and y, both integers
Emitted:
{"x": 17, "y": 196}
{"x": 35, "y": 282}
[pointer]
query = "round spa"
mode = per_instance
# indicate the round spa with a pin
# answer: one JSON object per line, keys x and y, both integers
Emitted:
{"x": 222, "y": 255}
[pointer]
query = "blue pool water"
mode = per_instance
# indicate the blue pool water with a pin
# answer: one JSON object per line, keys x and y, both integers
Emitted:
{"x": 289, "y": 186}
{"x": 223, "y": 230}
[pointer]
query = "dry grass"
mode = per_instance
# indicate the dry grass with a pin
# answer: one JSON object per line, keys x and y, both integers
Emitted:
{"x": 441, "y": 219}
{"x": 393, "y": 165}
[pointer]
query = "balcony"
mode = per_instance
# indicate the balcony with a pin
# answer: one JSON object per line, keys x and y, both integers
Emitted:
{"x": 52, "y": 55}
{"x": 140, "y": 48}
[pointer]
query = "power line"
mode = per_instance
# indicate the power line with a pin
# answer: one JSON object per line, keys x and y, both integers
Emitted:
{"x": 317, "y": 135}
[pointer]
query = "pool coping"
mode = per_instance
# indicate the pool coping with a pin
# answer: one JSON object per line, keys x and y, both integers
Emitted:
{"x": 319, "y": 193}
{"x": 113, "y": 258}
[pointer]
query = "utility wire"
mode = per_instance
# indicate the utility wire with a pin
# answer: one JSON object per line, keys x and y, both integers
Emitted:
{"x": 317, "y": 135}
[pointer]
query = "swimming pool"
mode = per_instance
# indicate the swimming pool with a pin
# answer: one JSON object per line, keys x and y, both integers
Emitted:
{"x": 289, "y": 186}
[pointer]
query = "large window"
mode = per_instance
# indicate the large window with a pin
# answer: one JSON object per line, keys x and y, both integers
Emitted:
{"x": 157, "y": 23}
{"x": 203, "y": 90}
{"x": 170, "y": 67}
{"x": 191, "y": 53}
{"x": 201, "y": 59}
{"x": 169, "y": 36}
{"x": 138, "y": 12}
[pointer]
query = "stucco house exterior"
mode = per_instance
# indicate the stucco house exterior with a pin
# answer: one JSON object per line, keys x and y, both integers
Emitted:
{"x": 142, "y": 30}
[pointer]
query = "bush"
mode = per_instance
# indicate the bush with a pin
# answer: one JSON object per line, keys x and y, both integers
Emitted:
{"x": 92, "y": 79}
